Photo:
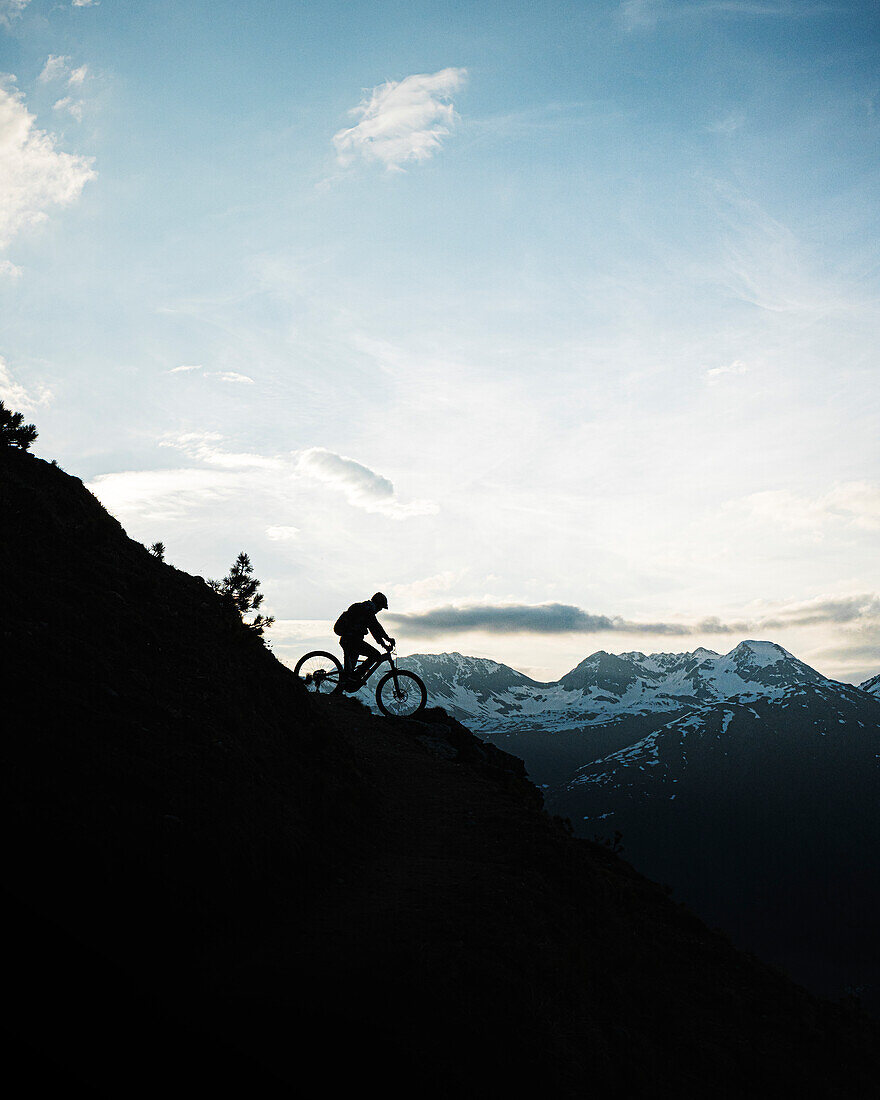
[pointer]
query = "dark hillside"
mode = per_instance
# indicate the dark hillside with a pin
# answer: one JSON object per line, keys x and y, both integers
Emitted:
{"x": 213, "y": 880}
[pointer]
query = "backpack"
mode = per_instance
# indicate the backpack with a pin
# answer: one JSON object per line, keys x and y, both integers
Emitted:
{"x": 340, "y": 624}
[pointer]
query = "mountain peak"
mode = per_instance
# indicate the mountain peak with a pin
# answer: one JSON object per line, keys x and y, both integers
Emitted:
{"x": 765, "y": 653}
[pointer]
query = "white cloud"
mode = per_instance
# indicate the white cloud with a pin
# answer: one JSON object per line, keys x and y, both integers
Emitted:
{"x": 714, "y": 374}
{"x": 282, "y": 534}
{"x": 56, "y": 68}
{"x": 8, "y": 270}
{"x": 85, "y": 3}
{"x": 162, "y": 494}
{"x": 204, "y": 447}
{"x": 16, "y": 396}
{"x": 851, "y": 504}
{"x": 33, "y": 173}
{"x": 362, "y": 487}
{"x": 402, "y": 121}
{"x": 231, "y": 376}
{"x": 223, "y": 375}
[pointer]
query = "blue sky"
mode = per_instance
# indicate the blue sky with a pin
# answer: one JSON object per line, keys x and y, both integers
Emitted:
{"x": 570, "y": 309}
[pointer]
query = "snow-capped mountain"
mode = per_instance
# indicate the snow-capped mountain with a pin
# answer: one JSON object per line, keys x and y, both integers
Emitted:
{"x": 747, "y": 780}
{"x": 493, "y": 698}
{"x": 872, "y": 685}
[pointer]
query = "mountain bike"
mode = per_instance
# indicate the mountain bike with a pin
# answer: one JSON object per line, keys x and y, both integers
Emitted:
{"x": 399, "y": 694}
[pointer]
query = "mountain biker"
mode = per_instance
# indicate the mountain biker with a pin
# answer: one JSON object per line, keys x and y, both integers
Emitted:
{"x": 352, "y": 626}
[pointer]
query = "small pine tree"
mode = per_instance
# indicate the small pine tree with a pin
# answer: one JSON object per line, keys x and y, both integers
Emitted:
{"x": 158, "y": 550}
{"x": 239, "y": 588}
{"x": 13, "y": 431}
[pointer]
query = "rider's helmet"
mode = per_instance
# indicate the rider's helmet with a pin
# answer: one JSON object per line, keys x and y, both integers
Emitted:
{"x": 379, "y": 600}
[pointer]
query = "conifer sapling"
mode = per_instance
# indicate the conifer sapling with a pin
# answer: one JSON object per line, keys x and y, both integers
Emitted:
{"x": 13, "y": 431}
{"x": 239, "y": 588}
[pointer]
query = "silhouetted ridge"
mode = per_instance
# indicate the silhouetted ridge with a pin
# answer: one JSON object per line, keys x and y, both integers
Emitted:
{"x": 216, "y": 881}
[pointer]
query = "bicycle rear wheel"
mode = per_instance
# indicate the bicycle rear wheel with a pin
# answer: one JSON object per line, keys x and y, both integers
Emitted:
{"x": 401, "y": 694}
{"x": 319, "y": 672}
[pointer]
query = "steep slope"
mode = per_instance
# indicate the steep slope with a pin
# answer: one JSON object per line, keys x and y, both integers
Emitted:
{"x": 218, "y": 882}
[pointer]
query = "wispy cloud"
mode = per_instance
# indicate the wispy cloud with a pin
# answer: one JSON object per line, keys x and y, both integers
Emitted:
{"x": 73, "y": 107}
{"x": 34, "y": 174}
{"x": 401, "y": 121}
{"x": 163, "y": 494}
{"x": 849, "y": 504}
{"x": 56, "y": 68}
{"x": 362, "y": 487}
{"x": 715, "y": 374}
{"x": 282, "y": 534}
{"x": 11, "y": 10}
{"x": 17, "y": 396}
{"x": 231, "y": 376}
{"x": 215, "y": 469}
{"x": 222, "y": 375}
{"x": 638, "y": 15}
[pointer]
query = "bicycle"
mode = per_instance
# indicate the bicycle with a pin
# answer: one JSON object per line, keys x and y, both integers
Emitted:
{"x": 399, "y": 694}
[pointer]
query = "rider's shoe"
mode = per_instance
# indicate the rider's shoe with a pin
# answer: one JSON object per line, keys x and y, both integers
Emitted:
{"x": 350, "y": 684}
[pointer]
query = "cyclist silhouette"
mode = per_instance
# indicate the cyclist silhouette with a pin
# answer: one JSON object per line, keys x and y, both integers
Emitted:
{"x": 352, "y": 626}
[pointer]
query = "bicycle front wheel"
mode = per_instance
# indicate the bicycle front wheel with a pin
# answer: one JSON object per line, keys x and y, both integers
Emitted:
{"x": 319, "y": 673}
{"x": 401, "y": 694}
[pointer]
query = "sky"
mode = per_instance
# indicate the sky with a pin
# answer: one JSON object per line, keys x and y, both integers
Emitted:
{"x": 557, "y": 323}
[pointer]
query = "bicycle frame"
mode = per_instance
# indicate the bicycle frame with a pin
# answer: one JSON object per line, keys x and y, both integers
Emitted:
{"x": 366, "y": 670}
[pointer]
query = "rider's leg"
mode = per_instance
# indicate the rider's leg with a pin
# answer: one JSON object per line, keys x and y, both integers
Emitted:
{"x": 351, "y": 646}
{"x": 354, "y": 646}
{"x": 370, "y": 655}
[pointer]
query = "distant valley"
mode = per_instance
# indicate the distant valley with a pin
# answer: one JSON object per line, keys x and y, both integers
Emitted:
{"x": 746, "y": 780}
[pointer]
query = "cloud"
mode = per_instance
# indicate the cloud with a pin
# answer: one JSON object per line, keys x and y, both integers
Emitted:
{"x": 74, "y": 107}
{"x": 204, "y": 447}
{"x": 282, "y": 534}
{"x": 33, "y": 173}
{"x": 644, "y": 14}
{"x": 230, "y": 376}
{"x": 401, "y": 121}
{"x": 853, "y": 505}
{"x": 861, "y": 611}
{"x": 715, "y": 374}
{"x": 10, "y": 10}
{"x": 162, "y": 494}
{"x": 84, "y": 3}
{"x": 362, "y": 487}
{"x": 556, "y": 618}
{"x": 56, "y": 68}
{"x": 8, "y": 270}
{"x": 549, "y": 618}
{"x": 223, "y": 375}
{"x": 16, "y": 396}
{"x": 282, "y": 478}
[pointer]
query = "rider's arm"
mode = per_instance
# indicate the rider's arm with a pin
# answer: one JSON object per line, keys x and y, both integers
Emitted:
{"x": 375, "y": 628}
